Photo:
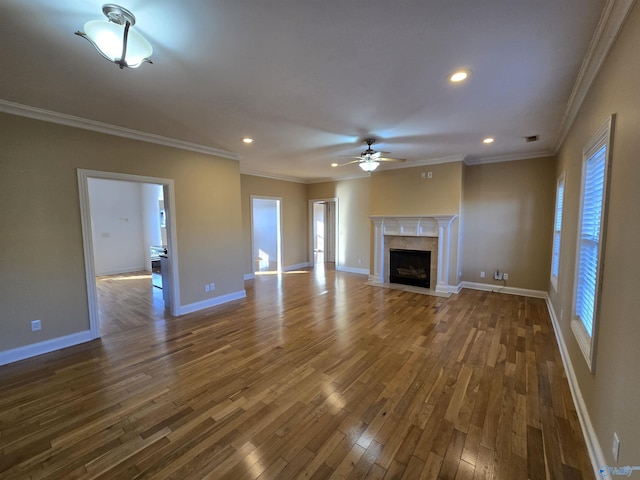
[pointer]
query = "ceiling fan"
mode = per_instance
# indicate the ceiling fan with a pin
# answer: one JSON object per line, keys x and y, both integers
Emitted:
{"x": 370, "y": 158}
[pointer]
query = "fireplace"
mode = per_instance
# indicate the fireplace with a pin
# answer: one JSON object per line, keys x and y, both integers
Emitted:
{"x": 410, "y": 233}
{"x": 410, "y": 267}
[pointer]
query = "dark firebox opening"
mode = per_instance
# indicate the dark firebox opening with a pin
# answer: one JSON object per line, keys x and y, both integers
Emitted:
{"x": 410, "y": 267}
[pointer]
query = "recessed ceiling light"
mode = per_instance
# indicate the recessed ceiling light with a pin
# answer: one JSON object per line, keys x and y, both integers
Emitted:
{"x": 334, "y": 164}
{"x": 247, "y": 140}
{"x": 488, "y": 140}
{"x": 458, "y": 76}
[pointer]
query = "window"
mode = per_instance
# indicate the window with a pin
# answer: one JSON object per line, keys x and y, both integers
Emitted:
{"x": 593, "y": 199}
{"x": 557, "y": 229}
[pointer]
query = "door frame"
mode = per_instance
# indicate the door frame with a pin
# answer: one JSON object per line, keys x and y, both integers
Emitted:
{"x": 87, "y": 238}
{"x": 278, "y": 231}
{"x": 312, "y": 202}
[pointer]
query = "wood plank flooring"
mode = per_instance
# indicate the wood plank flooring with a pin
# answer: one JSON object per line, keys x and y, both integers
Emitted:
{"x": 127, "y": 301}
{"x": 315, "y": 375}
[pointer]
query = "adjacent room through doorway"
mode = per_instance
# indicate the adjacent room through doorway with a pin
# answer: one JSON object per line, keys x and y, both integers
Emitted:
{"x": 323, "y": 226}
{"x": 128, "y": 237}
{"x": 129, "y": 234}
{"x": 266, "y": 235}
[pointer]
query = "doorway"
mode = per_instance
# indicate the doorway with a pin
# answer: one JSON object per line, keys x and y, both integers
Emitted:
{"x": 94, "y": 239}
{"x": 323, "y": 214}
{"x": 266, "y": 234}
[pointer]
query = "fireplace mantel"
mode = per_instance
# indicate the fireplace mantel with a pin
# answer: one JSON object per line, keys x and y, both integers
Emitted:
{"x": 414, "y": 226}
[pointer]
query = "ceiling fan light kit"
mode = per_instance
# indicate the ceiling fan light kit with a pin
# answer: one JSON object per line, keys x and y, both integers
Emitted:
{"x": 370, "y": 159}
{"x": 115, "y": 40}
{"x": 368, "y": 165}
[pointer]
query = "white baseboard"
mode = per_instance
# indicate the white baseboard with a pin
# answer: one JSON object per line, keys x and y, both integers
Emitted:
{"x": 446, "y": 290}
{"x": 361, "y": 271}
{"x": 590, "y": 438}
{"x": 498, "y": 289}
{"x": 121, "y": 271}
{"x": 212, "y": 302}
{"x": 290, "y": 268}
{"x": 35, "y": 349}
{"x": 297, "y": 266}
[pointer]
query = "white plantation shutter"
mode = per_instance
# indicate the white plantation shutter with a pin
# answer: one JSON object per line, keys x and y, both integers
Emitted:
{"x": 590, "y": 240}
{"x": 557, "y": 230}
{"x": 590, "y": 227}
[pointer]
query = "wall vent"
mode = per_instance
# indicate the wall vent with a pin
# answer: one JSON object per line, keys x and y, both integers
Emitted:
{"x": 532, "y": 138}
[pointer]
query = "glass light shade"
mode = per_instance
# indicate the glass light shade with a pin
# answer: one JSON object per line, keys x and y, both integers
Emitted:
{"x": 369, "y": 165}
{"x": 107, "y": 37}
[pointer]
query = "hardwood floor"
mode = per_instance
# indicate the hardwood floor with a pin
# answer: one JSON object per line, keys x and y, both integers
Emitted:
{"x": 315, "y": 375}
{"x": 127, "y": 301}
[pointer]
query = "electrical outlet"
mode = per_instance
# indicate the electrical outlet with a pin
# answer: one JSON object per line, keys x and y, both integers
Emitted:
{"x": 36, "y": 325}
{"x": 212, "y": 287}
{"x": 505, "y": 276}
{"x": 423, "y": 175}
{"x": 206, "y": 287}
{"x": 359, "y": 261}
{"x": 481, "y": 274}
{"x": 615, "y": 448}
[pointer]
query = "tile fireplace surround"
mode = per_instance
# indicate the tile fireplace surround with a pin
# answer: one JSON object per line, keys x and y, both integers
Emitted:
{"x": 435, "y": 226}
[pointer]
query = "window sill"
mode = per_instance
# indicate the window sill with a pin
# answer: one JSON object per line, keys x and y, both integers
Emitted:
{"x": 584, "y": 342}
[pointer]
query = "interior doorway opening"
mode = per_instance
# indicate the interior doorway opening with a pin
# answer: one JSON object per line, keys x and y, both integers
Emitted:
{"x": 266, "y": 235}
{"x": 129, "y": 233}
{"x": 323, "y": 214}
{"x": 123, "y": 217}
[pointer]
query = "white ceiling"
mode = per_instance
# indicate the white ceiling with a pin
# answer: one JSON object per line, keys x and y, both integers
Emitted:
{"x": 309, "y": 79}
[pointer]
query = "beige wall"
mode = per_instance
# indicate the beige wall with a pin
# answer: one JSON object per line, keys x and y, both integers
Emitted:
{"x": 404, "y": 191}
{"x": 317, "y": 191}
{"x": 508, "y": 219}
{"x": 611, "y": 395}
{"x": 354, "y": 224}
{"x": 41, "y": 253}
{"x": 295, "y": 229}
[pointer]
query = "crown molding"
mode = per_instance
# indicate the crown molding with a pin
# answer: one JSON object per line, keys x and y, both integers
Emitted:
{"x": 470, "y": 161}
{"x": 272, "y": 176}
{"x": 429, "y": 161}
{"x": 614, "y": 14}
{"x": 86, "y": 124}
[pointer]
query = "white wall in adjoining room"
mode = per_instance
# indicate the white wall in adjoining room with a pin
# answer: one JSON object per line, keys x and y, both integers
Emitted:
{"x": 151, "y": 197}
{"x": 117, "y": 226}
{"x": 265, "y": 233}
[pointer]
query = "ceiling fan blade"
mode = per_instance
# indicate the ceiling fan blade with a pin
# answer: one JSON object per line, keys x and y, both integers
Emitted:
{"x": 349, "y": 163}
{"x": 387, "y": 159}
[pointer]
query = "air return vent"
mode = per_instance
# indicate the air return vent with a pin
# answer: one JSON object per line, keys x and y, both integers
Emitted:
{"x": 532, "y": 138}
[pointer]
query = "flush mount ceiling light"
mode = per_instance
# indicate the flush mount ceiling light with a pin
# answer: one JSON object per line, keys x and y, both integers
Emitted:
{"x": 247, "y": 140}
{"x": 115, "y": 40}
{"x": 459, "y": 76}
{"x": 488, "y": 140}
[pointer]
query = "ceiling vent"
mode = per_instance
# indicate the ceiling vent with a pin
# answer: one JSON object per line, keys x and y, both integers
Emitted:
{"x": 532, "y": 138}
